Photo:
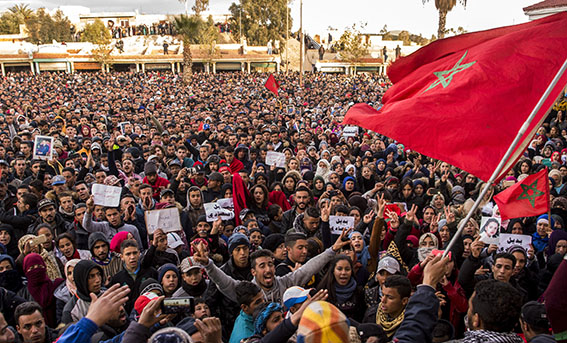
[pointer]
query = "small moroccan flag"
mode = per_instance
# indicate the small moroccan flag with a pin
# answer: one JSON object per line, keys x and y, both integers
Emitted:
{"x": 272, "y": 84}
{"x": 527, "y": 198}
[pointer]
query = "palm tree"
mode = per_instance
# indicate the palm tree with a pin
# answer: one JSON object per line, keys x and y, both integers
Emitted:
{"x": 188, "y": 28}
{"x": 444, "y": 7}
{"x": 22, "y": 11}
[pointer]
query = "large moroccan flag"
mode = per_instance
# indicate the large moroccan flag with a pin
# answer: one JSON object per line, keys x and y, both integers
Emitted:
{"x": 463, "y": 99}
{"x": 527, "y": 198}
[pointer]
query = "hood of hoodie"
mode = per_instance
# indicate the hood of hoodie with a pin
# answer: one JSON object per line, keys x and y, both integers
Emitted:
{"x": 239, "y": 148}
{"x": 95, "y": 237}
{"x": 189, "y": 206}
{"x": 81, "y": 276}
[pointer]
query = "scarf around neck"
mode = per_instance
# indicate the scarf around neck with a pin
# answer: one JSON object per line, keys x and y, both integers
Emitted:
{"x": 482, "y": 336}
{"x": 344, "y": 293}
{"x": 390, "y": 325}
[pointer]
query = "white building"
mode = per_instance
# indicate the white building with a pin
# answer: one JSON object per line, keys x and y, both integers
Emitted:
{"x": 545, "y": 8}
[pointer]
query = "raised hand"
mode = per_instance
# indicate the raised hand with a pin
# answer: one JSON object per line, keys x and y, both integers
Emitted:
{"x": 103, "y": 308}
{"x": 342, "y": 241}
{"x": 201, "y": 255}
{"x": 325, "y": 211}
{"x": 380, "y": 206}
{"x": 319, "y": 296}
{"x": 368, "y": 217}
{"x": 394, "y": 219}
{"x": 476, "y": 247}
{"x": 435, "y": 270}
{"x": 410, "y": 215}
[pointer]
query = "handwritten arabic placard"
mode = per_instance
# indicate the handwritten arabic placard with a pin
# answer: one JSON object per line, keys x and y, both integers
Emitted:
{"x": 213, "y": 210}
{"x": 508, "y": 240}
{"x": 108, "y": 196}
{"x": 276, "y": 158}
{"x": 227, "y": 204}
{"x": 350, "y": 131}
{"x": 338, "y": 223}
{"x": 166, "y": 219}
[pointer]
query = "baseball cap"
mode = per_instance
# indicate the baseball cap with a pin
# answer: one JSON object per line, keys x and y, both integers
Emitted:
{"x": 535, "y": 314}
{"x": 44, "y": 203}
{"x": 95, "y": 146}
{"x": 58, "y": 180}
{"x": 389, "y": 264}
{"x": 295, "y": 295}
{"x": 173, "y": 240}
{"x": 165, "y": 191}
{"x": 189, "y": 264}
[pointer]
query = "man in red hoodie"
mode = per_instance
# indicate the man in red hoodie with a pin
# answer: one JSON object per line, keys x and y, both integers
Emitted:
{"x": 151, "y": 178}
{"x": 233, "y": 163}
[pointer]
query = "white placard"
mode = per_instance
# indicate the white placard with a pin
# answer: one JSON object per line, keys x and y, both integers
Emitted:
{"x": 227, "y": 204}
{"x": 509, "y": 240}
{"x": 214, "y": 210}
{"x": 350, "y": 131}
{"x": 490, "y": 230}
{"x": 166, "y": 219}
{"x": 108, "y": 196}
{"x": 43, "y": 148}
{"x": 276, "y": 158}
{"x": 338, "y": 223}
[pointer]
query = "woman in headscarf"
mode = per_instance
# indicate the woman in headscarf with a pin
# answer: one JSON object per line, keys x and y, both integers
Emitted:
{"x": 323, "y": 169}
{"x": 349, "y": 186}
{"x": 68, "y": 249}
{"x": 41, "y": 287}
{"x": 8, "y": 238}
{"x": 26, "y": 246}
{"x": 318, "y": 186}
{"x": 12, "y": 280}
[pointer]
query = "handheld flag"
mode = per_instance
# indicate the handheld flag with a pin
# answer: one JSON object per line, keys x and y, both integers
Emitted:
{"x": 527, "y": 198}
{"x": 464, "y": 99}
{"x": 272, "y": 84}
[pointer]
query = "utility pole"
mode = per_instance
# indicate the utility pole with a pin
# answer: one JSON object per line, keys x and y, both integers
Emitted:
{"x": 286, "y": 36}
{"x": 240, "y": 25}
{"x": 302, "y": 40}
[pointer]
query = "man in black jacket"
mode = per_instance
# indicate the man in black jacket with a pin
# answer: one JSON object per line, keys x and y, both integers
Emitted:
{"x": 237, "y": 267}
{"x": 133, "y": 273}
{"x": 8, "y": 302}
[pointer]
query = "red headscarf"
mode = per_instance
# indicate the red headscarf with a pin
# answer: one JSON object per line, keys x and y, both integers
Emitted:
{"x": 117, "y": 241}
{"x": 40, "y": 286}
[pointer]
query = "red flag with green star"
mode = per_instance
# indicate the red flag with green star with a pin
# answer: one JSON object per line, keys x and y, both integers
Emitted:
{"x": 272, "y": 84}
{"x": 527, "y": 198}
{"x": 463, "y": 99}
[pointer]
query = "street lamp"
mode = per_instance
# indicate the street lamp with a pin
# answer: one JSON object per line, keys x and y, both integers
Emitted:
{"x": 240, "y": 25}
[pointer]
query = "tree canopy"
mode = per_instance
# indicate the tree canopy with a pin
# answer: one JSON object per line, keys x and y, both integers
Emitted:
{"x": 352, "y": 45}
{"x": 43, "y": 28}
{"x": 96, "y": 33}
{"x": 262, "y": 20}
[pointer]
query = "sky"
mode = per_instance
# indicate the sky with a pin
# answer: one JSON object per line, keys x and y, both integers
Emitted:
{"x": 318, "y": 15}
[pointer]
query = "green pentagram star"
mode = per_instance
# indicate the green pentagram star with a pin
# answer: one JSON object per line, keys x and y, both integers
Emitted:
{"x": 526, "y": 193}
{"x": 446, "y": 76}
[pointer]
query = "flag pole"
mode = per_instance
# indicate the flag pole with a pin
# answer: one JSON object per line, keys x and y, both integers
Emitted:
{"x": 507, "y": 155}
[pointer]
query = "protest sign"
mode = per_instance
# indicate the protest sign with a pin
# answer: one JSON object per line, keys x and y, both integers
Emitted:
{"x": 338, "y": 223}
{"x": 276, "y": 158}
{"x": 108, "y": 196}
{"x": 122, "y": 126}
{"x": 213, "y": 210}
{"x": 227, "y": 204}
{"x": 508, "y": 240}
{"x": 350, "y": 131}
{"x": 166, "y": 219}
{"x": 43, "y": 148}
{"x": 490, "y": 230}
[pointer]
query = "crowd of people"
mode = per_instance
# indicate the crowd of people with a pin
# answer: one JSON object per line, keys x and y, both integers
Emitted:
{"x": 279, "y": 270}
